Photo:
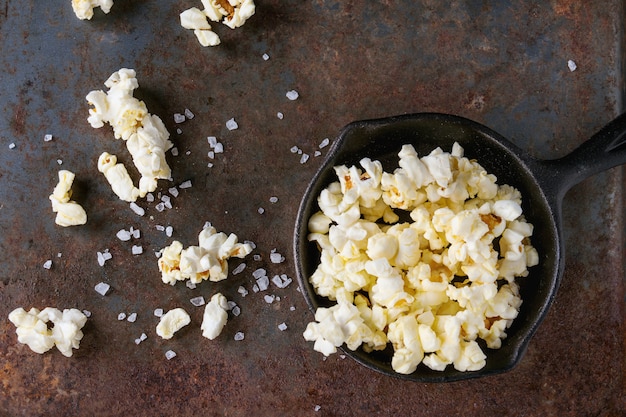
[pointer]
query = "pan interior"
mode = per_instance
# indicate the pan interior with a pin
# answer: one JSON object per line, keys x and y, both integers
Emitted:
{"x": 382, "y": 139}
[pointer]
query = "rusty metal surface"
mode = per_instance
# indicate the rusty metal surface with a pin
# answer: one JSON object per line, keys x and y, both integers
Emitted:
{"x": 503, "y": 65}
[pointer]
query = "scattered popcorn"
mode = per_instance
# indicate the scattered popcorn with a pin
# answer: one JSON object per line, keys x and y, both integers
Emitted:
{"x": 102, "y": 288}
{"x": 83, "y": 9}
{"x": 431, "y": 287}
{"x": 171, "y": 322}
{"x": 239, "y": 336}
{"x": 32, "y": 328}
{"x": 231, "y": 124}
{"x": 292, "y": 95}
{"x": 69, "y": 213}
{"x": 47, "y": 264}
{"x": 209, "y": 260}
{"x": 215, "y": 316}
{"x": 170, "y": 354}
{"x": 145, "y": 135}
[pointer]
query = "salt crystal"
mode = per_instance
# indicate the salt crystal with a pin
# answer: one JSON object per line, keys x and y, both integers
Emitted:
{"x": 160, "y": 228}
{"x": 231, "y": 305}
{"x": 292, "y": 308}
{"x": 174, "y": 150}
{"x": 121, "y": 316}
{"x": 166, "y": 199}
{"x": 101, "y": 259}
{"x": 292, "y": 95}
{"x": 209, "y": 165}
{"x": 173, "y": 191}
{"x": 87, "y": 313}
{"x": 11, "y": 145}
{"x": 60, "y": 161}
{"x": 251, "y": 243}
{"x": 304, "y": 158}
{"x": 170, "y": 354}
{"x": 158, "y": 312}
{"x": 188, "y": 153}
{"x": 143, "y": 337}
{"x": 255, "y": 288}
{"x": 106, "y": 255}
{"x": 263, "y": 283}
{"x": 280, "y": 115}
{"x": 197, "y": 301}
{"x": 185, "y": 184}
{"x": 282, "y": 327}
{"x": 136, "y": 233}
{"x": 261, "y": 210}
{"x": 239, "y": 268}
{"x": 138, "y": 210}
{"x": 236, "y": 311}
{"x": 294, "y": 149}
{"x": 179, "y": 118}
{"x": 269, "y": 299}
{"x": 571, "y": 65}
{"x": 231, "y": 124}
{"x": 150, "y": 198}
{"x": 239, "y": 336}
{"x": 160, "y": 207}
{"x": 189, "y": 114}
{"x": 179, "y": 131}
{"x": 258, "y": 273}
{"x": 219, "y": 148}
{"x": 299, "y": 151}
{"x": 47, "y": 264}
{"x": 168, "y": 231}
{"x": 102, "y": 288}
{"x": 211, "y": 154}
{"x": 317, "y": 153}
{"x": 241, "y": 290}
{"x": 47, "y": 137}
{"x": 212, "y": 141}
{"x": 256, "y": 257}
{"x": 273, "y": 200}
{"x": 190, "y": 285}
{"x": 276, "y": 258}
{"x": 317, "y": 408}
{"x": 266, "y": 57}
{"x": 123, "y": 235}
{"x": 59, "y": 255}
{"x": 324, "y": 143}
{"x": 132, "y": 317}
{"x": 137, "y": 250}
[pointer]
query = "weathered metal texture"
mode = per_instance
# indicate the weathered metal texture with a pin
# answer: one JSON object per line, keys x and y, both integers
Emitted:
{"x": 504, "y": 65}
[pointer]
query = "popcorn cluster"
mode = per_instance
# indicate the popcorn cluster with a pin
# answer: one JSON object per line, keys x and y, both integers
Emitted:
{"x": 431, "y": 287}
{"x": 208, "y": 260}
{"x": 83, "y": 9}
{"x": 69, "y": 213}
{"x": 233, "y": 13}
{"x": 145, "y": 135}
{"x": 32, "y": 328}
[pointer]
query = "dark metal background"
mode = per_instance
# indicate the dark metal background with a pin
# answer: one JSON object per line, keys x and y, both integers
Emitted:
{"x": 503, "y": 65}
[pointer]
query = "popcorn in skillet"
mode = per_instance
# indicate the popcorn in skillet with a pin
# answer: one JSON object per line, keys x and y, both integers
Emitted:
{"x": 84, "y": 8}
{"x": 69, "y": 213}
{"x": 431, "y": 287}
{"x": 215, "y": 316}
{"x": 209, "y": 260}
{"x": 233, "y": 13}
{"x": 32, "y": 328}
{"x": 171, "y": 322}
{"x": 145, "y": 135}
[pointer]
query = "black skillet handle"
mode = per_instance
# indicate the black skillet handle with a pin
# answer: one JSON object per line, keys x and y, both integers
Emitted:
{"x": 604, "y": 150}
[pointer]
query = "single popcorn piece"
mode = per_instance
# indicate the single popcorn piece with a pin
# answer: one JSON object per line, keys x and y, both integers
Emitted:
{"x": 69, "y": 213}
{"x": 32, "y": 328}
{"x": 146, "y": 137}
{"x": 215, "y": 316}
{"x": 431, "y": 287}
{"x": 118, "y": 177}
{"x": 84, "y": 8}
{"x": 171, "y": 322}
{"x": 232, "y": 13}
{"x": 207, "y": 261}
{"x": 196, "y": 20}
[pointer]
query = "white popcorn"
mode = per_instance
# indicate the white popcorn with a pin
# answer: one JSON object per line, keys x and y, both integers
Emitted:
{"x": 432, "y": 287}
{"x": 146, "y": 137}
{"x": 69, "y": 213}
{"x": 171, "y": 322}
{"x": 32, "y": 328}
{"x": 83, "y": 9}
{"x": 215, "y": 316}
{"x": 233, "y": 13}
{"x": 118, "y": 177}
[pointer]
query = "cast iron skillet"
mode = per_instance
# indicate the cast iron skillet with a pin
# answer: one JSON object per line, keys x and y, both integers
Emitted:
{"x": 542, "y": 184}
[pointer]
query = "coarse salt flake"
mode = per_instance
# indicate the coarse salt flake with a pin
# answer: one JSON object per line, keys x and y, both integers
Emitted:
{"x": 239, "y": 336}
{"x": 169, "y": 230}
{"x": 189, "y": 114}
{"x": 282, "y": 327}
{"x": 174, "y": 150}
{"x": 324, "y": 143}
{"x": 137, "y": 250}
{"x": 231, "y": 124}
{"x": 219, "y": 148}
{"x": 179, "y": 118}
{"x": 11, "y": 145}
{"x": 571, "y": 65}
{"x": 158, "y": 312}
{"x": 47, "y": 264}
{"x": 239, "y": 269}
{"x": 102, "y": 288}
{"x": 170, "y": 354}
{"x": 173, "y": 191}
{"x": 241, "y": 290}
{"x": 137, "y": 210}
{"x": 261, "y": 210}
{"x": 132, "y": 317}
{"x": 121, "y": 316}
{"x": 292, "y": 95}
{"x": 269, "y": 299}
{"x": 266, "y": 57}
{"x": 191, "y": 285}
{"x": 212, "y": 141}
{"x": 123, "y": 235}
{"x": 47, "y": 137}
{"x": 304, "y": 158}
{"x": 236, "y": 310}
{"x": 294, "y": 149}
{"x": 276, "y": 258}
{"x": 273, "y": 200}
{"x": 197, "y": 301}
{"x": 185, "y": 184}
{"x": 280, "y": 115}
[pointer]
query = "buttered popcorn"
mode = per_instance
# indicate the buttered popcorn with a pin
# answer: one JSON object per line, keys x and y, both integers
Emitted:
{"x": 145, "y": 135}
{"x": 83, "y": 9}
{"x": 431, "y": 287}
{"x": 207, "y": 261}
{"x": 69, "y": 213}
{"x": 232, "y": 13}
